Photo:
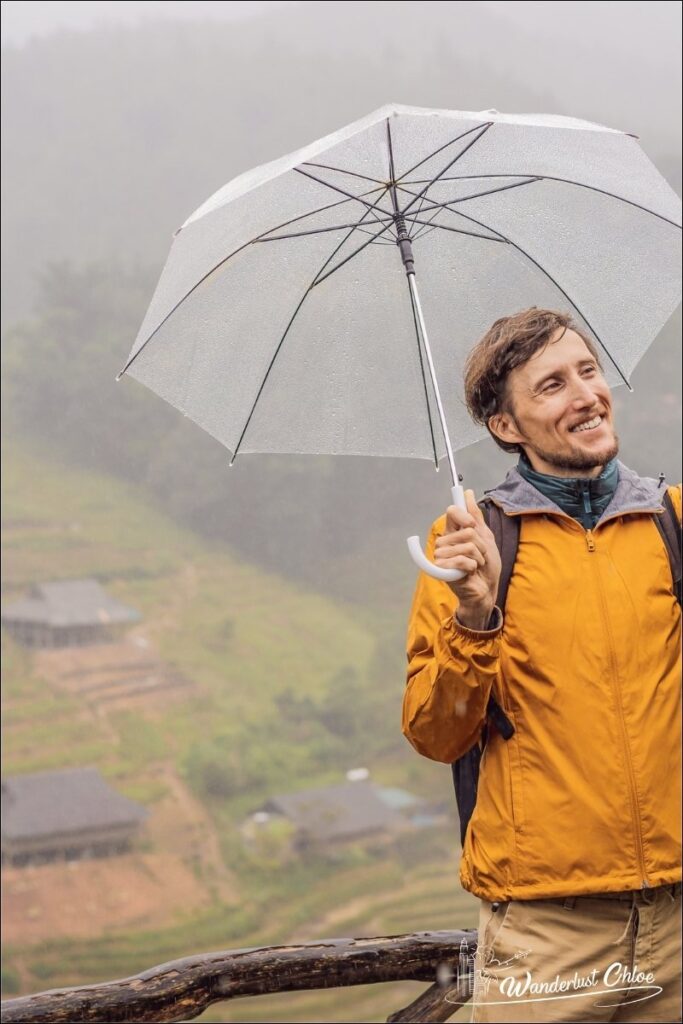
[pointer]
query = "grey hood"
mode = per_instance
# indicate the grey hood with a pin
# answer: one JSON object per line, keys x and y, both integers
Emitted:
{"x": 633, "y": 494}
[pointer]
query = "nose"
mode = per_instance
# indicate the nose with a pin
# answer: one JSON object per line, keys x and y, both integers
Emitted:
{"x": 583, "y": 392}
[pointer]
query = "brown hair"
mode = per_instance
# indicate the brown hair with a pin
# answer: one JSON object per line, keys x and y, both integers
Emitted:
{"x": 510, "y": 342}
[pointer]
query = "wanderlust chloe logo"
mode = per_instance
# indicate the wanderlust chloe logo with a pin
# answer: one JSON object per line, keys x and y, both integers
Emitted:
{"x": 522, "y": 987}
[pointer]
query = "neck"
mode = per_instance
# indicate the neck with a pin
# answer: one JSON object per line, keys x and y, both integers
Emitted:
{"x": 541, "y": 466}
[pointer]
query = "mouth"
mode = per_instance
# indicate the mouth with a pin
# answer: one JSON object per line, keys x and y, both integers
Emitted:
{"x": 588, "y": 426}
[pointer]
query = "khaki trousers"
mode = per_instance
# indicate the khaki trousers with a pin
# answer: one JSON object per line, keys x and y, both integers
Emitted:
{"x": 610, "y": 957}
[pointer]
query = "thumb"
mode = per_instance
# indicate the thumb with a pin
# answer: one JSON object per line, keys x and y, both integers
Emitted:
{"x": 473, "y": 508}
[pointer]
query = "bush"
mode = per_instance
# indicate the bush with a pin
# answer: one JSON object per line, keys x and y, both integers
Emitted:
{"x": 10, "y": 982}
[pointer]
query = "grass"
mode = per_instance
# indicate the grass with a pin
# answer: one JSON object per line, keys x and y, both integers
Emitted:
{"x": 241, "y": 637}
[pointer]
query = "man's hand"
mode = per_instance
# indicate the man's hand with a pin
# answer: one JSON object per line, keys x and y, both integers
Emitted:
{"x": 468, "y": 544}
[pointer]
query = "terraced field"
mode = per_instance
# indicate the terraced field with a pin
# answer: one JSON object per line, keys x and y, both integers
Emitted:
{"x": 241, "y": 647}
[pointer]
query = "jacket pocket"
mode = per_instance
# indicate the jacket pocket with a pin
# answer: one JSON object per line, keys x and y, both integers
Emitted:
{"x": 491, "y": 926}
{"x": 492, "y": 923}
{"x": 516, "y": 780}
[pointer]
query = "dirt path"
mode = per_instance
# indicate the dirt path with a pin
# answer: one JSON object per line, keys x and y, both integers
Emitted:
{"x": 181, "y": 823}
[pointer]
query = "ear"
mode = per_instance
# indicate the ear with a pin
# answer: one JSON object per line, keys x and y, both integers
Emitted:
{"x": 505, "y": 428}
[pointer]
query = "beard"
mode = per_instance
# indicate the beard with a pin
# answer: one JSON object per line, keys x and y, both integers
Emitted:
{"x": 580, "y": 461}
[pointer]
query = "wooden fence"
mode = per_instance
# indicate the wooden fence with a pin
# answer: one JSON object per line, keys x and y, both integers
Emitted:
{"x": 182, "y": 989}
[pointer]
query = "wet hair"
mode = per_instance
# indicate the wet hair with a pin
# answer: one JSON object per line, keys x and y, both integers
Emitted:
{"x": 510, "y": 342}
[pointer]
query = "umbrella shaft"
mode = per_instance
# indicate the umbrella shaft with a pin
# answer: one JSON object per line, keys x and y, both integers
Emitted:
{"x": 435, "y": 384}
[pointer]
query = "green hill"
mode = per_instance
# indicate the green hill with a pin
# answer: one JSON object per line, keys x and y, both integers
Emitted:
{"x": 288, "y": 690}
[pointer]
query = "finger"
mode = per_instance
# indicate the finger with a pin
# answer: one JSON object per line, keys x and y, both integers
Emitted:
{"x": 468, "y": 535}
{"x": 471, "y": 550}
{"x": 473, "y": 508}
{"x": 464, "y": 533}
{"x": 457, "y": 517}
{"x": 468, "y": 565}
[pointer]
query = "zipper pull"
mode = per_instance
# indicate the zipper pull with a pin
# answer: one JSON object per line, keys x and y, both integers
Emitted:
{"x": 589, "y": 540}
{"x": 586, "y": 495}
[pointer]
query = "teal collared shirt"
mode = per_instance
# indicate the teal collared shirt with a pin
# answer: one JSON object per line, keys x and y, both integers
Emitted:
{"x": 581, "y": 498}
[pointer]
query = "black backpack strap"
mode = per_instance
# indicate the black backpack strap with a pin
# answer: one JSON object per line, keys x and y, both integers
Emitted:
{"x": 670, "y": 529}
{"x": 465, "y": 770}
{"x": 506, "y": 531}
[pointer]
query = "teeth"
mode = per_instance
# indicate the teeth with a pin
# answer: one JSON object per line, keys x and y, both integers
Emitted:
{"x": 589, "y": 425}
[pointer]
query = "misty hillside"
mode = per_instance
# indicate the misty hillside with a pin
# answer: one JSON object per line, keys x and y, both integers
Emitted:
{"x": 112, "y": 137}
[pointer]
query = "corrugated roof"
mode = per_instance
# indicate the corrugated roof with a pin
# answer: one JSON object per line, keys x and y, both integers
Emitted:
{"x": 69, "y": 603}
{"x": 71, "y": 800}
{"x": 336, "y": 812}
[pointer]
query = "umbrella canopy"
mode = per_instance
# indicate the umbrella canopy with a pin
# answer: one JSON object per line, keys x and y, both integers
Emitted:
{"x": 283, "y": 322}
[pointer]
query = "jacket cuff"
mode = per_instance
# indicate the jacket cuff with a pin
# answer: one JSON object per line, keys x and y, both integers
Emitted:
{"x": 493, "y": 629}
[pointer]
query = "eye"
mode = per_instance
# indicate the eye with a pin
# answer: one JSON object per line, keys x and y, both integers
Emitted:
{"x": 553, "y": 384}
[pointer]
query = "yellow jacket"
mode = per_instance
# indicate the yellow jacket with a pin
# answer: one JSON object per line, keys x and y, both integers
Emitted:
{"x": 585, "y": 797}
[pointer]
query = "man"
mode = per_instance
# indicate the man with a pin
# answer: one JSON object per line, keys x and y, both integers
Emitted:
{"x": 574, "y": 844}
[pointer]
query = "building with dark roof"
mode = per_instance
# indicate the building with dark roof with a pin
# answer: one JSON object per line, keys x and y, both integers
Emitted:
{"x": 65, "y": 815}
{"x": 331, "y": 815}
{"x": 66, "y": 613}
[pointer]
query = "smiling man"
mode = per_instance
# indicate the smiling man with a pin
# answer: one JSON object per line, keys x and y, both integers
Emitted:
{"x": 573, "y": 846}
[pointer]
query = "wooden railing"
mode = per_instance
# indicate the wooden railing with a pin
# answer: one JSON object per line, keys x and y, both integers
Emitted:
{"x": 182, "y": 989}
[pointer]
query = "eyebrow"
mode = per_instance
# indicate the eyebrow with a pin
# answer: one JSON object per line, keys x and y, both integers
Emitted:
{"x": 558, "y": 373}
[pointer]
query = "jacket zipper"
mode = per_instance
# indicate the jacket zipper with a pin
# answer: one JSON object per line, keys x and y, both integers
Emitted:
{"x": 633, "y": 793}
{"x": 635, "y": 810}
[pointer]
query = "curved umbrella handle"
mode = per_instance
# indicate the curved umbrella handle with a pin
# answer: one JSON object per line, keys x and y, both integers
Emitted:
{"x": 421, "y": 560}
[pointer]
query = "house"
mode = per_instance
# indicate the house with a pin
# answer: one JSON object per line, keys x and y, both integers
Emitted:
{"x": 330, "y": 815}
{"x": 65, "y": 815}
{"x": 66, "y": 613}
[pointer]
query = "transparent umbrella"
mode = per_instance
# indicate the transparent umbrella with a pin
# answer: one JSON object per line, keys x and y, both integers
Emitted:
{"x": 288, "y": 316}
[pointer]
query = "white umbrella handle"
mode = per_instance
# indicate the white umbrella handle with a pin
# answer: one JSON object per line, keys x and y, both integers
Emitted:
{"x": 421, "y": 560}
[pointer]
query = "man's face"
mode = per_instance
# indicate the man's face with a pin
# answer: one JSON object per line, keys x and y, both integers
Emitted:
{"x": 559, "y": 389}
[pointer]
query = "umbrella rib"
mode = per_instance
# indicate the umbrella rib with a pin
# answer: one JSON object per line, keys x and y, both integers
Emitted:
{"x": 424, "y": 379}
{"x": 472, "y": 195}
{"x": 448, "y": 166}
{"x": 429, "y": 224}
{"x": 559, "y": 287}
{"x": 293, "y": 220}
{"x": 371, "y": 207}
{"x": 445, "y": 146}
{"x": 341, "y": 170}
{"x": 375, "y": 239}
{"x": 567, "y": 181}
{"x": 392, "y": 178}
{"x": 422, "y": 231}
{"x": 437, "y": 206}
{"x": 303, "y": 298}
{"x": 390, "y": 145}
{"x": 317, "y": 231}
{"x": 350, "y": 256}
{"x": 457, "y": 231}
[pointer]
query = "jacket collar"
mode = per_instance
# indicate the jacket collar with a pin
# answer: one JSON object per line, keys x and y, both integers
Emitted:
{"x": 633, "y": 494}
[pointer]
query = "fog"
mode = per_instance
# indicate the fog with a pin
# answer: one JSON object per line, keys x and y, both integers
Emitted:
{"x": 267, "y": 592}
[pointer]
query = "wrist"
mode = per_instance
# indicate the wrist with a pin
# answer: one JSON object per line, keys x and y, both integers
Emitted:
{"x": 475, "y": 617}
